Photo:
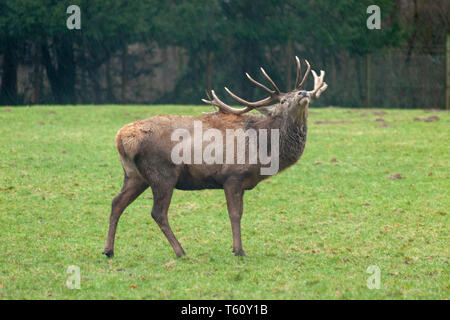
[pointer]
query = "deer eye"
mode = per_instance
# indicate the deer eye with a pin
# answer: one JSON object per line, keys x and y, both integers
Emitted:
{"x": 283, "y": 101}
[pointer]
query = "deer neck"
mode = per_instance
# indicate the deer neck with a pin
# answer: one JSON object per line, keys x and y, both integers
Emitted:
{"x": 292, "y": 135}
{"x": 293, "y": 132}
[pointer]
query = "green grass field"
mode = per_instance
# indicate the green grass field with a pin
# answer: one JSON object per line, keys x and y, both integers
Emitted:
{"x": 372, "y": 188}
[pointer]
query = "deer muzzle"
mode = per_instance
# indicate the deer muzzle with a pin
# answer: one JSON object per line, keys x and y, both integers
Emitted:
{"x": 303, "y": 93}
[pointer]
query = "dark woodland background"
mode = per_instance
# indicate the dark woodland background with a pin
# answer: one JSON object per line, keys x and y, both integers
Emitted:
{"x": 171, "y": 51}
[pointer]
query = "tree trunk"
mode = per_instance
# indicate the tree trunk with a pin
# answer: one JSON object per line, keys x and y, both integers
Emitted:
{"x": 95, "y": 78}
{"x": 124, "y": 75}
{"x": 8, "y": 91}
{"x": 179, "y": 53}
{"x": 109, "y": 83}
{"x": 288, "y": 66}
{"x": 250, "y": 63}
{"x": 368, "y": 79}
{"x": 62, "y": 77}
{"x": 335, "y": 96}
{"x": 83, "y": 85}
{"x": 360, "y": 81}
{"x": 208, "y": 70}
{"x": 36, "y": 73}
{"x": 447, "y": 75}
{"x": 412, "y": 39}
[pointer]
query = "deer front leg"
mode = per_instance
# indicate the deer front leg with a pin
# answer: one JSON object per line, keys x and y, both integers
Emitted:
{"x": 234, "y": 195}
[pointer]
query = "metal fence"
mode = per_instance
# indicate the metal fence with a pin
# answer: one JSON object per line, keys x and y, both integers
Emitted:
{"x": 392, "y": 80}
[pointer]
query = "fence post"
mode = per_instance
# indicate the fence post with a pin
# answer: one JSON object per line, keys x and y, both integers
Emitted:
{"x": 367, "y": 80}
{"x": 447, "y": 76}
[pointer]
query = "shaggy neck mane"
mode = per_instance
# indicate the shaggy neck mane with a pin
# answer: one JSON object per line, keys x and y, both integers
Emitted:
{"x": 292, "y": 135}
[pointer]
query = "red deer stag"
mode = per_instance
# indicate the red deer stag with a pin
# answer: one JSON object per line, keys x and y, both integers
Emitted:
{"x": 147, "y": 147}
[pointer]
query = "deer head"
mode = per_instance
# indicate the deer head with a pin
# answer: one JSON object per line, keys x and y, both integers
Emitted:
{"x": 278, "y": 104}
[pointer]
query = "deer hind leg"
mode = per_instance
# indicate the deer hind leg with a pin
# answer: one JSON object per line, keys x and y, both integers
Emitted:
{"x": 133, "y": 186}
{"x": 162, "y": 194}
{"x": 235, "y": 197}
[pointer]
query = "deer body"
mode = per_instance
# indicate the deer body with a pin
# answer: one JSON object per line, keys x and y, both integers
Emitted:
{"x": 145, "y": 148}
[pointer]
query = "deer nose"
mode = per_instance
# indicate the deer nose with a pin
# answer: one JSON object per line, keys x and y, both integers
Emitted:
{"x": 303, "y": 93}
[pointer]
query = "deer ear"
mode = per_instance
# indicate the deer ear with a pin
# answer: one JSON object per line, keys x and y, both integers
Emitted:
{"x": 267, "y": 111}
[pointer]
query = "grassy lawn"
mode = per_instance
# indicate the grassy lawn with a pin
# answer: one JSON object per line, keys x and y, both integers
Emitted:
{"x": 372, "y": 188}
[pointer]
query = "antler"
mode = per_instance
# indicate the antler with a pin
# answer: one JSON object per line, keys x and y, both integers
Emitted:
{"x": 297, "y": 84}
{"x": 223, "y": 106}
{"x": 274, "y": 95}
{"x": 319, "y": 85}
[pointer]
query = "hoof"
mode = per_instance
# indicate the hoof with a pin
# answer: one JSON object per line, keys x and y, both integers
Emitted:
{"x": 181, "y": 254}
{"x": 240, "y": 253}
{"x": 108, "y": 253}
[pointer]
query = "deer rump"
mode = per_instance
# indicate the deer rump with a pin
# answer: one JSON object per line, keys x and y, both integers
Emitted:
{"x": 145, "y": 149}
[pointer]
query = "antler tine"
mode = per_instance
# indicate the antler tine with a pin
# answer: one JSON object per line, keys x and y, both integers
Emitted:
{"x": 277, "y": 91}
{"x": 207, "y": 94}
{"x": 299, "y": 72}
{"x": 271, "y": 92}
{"x": 319, "y": 81}
{"x": 223, "y": 106}
{"x": 322, "y": 89}
{"x": 319, "y": 85}
{"x": 308, "y": 70}
{"x": 260, "y": 103}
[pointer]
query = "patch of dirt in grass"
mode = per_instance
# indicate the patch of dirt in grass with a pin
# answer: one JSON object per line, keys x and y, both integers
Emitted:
{"x": 395, "y": 176}
{"x": 170, "y": 264}
{"x": 379, "y": 113}
{"x": 435, "y": 110}
{"x": 375, "y": 113}
{"x": 332, "y": 122}
{"x": 429, "y": 119}
{"x": 383, "y": 122}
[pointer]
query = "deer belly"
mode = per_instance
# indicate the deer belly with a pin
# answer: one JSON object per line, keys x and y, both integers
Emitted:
{"x": 197, "y": 178}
